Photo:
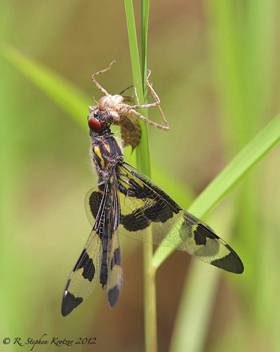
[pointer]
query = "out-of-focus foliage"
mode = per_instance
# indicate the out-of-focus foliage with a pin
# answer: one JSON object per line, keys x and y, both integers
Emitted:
{"x": 215, "y": 69}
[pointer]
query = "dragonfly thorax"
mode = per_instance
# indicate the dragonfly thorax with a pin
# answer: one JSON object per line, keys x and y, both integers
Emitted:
{"x": 106, "y": 153}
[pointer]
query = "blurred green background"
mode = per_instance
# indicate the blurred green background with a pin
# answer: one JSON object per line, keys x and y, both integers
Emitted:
{"x": 215, "y": 67}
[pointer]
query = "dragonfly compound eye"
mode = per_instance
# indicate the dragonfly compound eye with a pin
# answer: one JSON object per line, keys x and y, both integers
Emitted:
{"x": 94, "y": 124}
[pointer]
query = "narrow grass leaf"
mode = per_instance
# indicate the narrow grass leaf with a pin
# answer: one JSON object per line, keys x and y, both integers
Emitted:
{"x": 229, "y": 177}
{"x": 62, "y": 92}
{"x": 142, "y": 152}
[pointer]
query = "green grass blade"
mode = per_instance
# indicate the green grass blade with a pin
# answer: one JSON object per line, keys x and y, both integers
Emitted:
{"x": 244, "y": 60}
{"x": 69, "y": 98}
{"x": 195, "y": 308}
{"x": 229, "y": 177}
{"x": 142, "y": 152}
{"x": 143, "y": 164}
{"x": 228, "y": 64}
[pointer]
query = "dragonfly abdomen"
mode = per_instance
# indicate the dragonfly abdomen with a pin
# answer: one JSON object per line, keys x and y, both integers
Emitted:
{"x": 104, "y": 267}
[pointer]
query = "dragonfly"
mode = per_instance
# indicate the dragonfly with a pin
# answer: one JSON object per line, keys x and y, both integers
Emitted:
{"x": 126, "y": 201}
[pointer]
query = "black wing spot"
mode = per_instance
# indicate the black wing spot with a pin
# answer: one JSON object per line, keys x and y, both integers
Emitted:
{"x": 69, "y": 303}
{"x": 201, "y": 233}
{"x": 86, "y": 263}
{"x": 139, "y": 191}
{"x": 113, "y": 296}
{"x": 135, "y": 221}
{"x": 230, "y": 262}
{"x": 200, "y": 238}
{"x": 159, "y": 212}
{"x": 116, "y": 260}
{"x": 94, "y": 202}
{"x": 141, "y": 218}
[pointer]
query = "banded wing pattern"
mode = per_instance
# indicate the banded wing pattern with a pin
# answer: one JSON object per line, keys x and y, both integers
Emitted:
{"x": 144, "y": 205}
{"x": 100, "y": 259}
{"x": 85, "y": 274}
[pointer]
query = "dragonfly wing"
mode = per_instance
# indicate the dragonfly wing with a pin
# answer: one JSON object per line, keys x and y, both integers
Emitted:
{"x": 115, "y": 272}
{"x": 92, "y": 202}
{"x": 145, "y": 206}
{"x": 85, "y": 274}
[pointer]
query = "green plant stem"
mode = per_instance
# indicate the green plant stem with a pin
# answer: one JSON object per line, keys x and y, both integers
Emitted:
{"x": 143, "y": 164}
{"x": 149, "y": 270}
{"x": 150, "y": 299}
{"x": 145, "y": 5}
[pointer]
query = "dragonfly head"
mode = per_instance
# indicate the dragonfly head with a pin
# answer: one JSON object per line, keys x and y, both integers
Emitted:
{"x": 97, "y": 122}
